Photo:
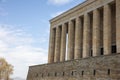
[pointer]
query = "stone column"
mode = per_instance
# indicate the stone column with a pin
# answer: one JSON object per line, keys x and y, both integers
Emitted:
{"x": 51, "y": 45}
{"x": 86, "y": 36}
{"x": 78, "y": 39}
{"x": 63, "y": 43}
{"x": 57, "y": 44}
{"x": 107, "y": 30}
{"x": 70, "y": 52}
{"x": 96, "y": 33}
{"x": 118, "y": 25}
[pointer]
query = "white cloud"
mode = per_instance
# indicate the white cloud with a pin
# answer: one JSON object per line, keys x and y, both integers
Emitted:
{"x": 56, "y": 14}
{"x": 16, "y": 47}
{"x": 59, "y": 2}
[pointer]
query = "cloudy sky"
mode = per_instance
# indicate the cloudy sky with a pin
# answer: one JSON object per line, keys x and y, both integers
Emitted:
{"x": 24, "y": 31}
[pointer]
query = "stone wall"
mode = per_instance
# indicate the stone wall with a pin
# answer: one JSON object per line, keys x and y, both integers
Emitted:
{"x": 93, "y": 68}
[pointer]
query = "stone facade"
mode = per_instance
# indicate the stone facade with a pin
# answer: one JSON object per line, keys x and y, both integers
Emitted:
{"x": 94, "y": 68}
{"x": 84, "y": 44}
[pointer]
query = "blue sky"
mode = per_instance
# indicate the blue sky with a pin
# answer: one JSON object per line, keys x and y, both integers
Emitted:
{"x": 24, "y": 30}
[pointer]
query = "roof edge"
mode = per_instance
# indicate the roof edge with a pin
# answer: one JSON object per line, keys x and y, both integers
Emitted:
{"x": 68, "y": 11}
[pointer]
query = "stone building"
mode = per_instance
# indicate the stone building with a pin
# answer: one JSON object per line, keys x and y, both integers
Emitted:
{"x": 84, "y": 44}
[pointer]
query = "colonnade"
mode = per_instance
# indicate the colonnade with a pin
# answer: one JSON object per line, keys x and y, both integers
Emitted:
{"x": 84, "y": 35}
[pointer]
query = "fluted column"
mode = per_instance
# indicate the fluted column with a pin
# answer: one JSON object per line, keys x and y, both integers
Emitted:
{"x": 51, "y": 45}
{"x": 57, "y": 45}
{"x": 63, "y": 43}
{"x": 96, "y": 33}
{"x": 78, "y": 39}
{"x": 118, "y": 25}
{"x": 86, "y": 36}
{"x": 70, "y": 52}
{"x": 107, "y": 30}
